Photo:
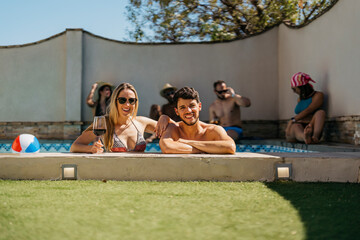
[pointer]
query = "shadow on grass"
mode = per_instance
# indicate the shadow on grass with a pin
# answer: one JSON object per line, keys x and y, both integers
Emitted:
{"x": 327, "y": 210}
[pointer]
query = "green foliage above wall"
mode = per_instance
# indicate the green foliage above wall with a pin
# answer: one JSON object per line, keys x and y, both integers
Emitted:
{"x": 217, "y": 20}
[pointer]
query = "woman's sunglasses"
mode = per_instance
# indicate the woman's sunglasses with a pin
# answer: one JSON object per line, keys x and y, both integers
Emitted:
{"x": 123, "y": 100}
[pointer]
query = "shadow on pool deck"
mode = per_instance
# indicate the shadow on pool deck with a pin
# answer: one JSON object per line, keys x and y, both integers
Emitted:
{"x": 327, "y": 210}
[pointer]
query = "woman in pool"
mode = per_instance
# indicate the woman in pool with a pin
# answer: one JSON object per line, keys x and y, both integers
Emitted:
{"x": 124, "y": 129}
{"x": 308, "y": 123}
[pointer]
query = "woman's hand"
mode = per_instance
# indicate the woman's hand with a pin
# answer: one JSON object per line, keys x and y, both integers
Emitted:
{"x": 97, "y": 147}
{"x": 89, "y": 99}
{"x": 94, "y": 86}
{"x": 161, "y": 125}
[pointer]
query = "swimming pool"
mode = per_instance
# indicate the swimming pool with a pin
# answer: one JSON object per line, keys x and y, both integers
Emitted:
{"x": 63, "y": 147}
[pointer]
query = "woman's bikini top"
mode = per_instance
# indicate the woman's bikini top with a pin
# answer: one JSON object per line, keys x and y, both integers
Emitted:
{"x": 302, "y": 105}
{"x": 119, "y": 146}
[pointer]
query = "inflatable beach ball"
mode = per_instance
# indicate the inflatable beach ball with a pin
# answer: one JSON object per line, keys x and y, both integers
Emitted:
{"x": 25, "y": 143}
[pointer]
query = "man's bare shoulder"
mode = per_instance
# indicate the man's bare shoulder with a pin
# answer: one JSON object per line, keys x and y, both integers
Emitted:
{"x": 214, "y": 132}
{"x": 216, "y": 104}
{"x": 213, "y": 104}
{"x": 172, "y": 131}
{"x": 211, "y": 128}
{"x": 173, "y": 126}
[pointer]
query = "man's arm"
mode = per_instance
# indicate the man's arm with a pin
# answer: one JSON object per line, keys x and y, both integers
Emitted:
{"x": 240, "y": 100}
{"x": 212, "y": 114}
{"x": 169, "y": 142}
{"x": 222, "y": 143}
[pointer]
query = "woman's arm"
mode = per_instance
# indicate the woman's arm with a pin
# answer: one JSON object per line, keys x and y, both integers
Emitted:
{"x": 152, "y": 126}
{"x": 81, "y": 144}
{"x": 316, "y": 103}
{"x": 89, "y": 99}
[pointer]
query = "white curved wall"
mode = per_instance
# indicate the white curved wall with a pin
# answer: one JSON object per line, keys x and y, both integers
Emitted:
{"x": 327, "y": 49}
{"x": 33, "y": 82}
{"x": 50, "y": 80}
{"x": 249, "y": 66}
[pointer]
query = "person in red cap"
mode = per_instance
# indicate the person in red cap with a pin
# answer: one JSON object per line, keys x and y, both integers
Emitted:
{"x": 308, "y": 123}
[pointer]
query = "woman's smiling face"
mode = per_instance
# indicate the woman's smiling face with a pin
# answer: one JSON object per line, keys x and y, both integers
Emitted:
{"x": 126, "y": 109}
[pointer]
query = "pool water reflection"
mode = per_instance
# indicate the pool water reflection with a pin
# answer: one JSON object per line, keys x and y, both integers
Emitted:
{"x": 63, "y": 147}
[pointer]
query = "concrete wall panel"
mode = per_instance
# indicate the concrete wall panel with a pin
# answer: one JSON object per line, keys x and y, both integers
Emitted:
{"x": 32, "y": 82}
{"x": 249, "y": 66}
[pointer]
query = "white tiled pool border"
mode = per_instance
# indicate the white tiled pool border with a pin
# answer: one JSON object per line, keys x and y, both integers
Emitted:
{"x": 306, "y": 167}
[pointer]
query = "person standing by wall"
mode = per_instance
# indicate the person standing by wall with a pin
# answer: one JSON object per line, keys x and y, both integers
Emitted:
{"x": 99, "y": 97}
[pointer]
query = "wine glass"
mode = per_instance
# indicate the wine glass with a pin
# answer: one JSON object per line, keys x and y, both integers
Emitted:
{"x": 99, "y": 126}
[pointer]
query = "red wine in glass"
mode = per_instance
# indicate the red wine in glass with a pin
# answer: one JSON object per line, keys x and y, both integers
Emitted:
{"x": 99, "y": 126}
{"x": 99, "y": 132}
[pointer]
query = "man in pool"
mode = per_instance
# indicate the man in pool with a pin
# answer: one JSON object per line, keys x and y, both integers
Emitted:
{"x": 190, "y": 135}
{"x": 226, "y": 109}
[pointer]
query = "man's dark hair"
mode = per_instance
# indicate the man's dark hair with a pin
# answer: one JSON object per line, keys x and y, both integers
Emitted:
{"x": 218, "y": 82}
{"x": 186, "y": 93}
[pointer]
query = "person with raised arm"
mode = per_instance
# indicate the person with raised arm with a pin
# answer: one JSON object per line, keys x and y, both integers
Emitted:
{"x": 225, "y": 110}
{"x": 99, "y": 97}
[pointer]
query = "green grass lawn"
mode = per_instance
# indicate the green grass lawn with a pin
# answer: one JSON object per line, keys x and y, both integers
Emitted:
{"x": 178, "y": 210}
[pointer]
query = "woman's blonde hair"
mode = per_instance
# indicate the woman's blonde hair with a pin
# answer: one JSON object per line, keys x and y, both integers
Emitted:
{"x": 114, "y": 116}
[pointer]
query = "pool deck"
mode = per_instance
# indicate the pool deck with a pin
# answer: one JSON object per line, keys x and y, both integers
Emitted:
{"x": 306, "y": 167}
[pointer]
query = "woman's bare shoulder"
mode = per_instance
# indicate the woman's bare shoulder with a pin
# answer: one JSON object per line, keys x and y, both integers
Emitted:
{"x": 318, "y": 95}
{"x": 142, "y": 119}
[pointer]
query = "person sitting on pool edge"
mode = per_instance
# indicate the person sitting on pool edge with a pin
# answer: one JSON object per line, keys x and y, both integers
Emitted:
{"x": 190, "y": 135}
{"x": 308, "y": 123}
{"x": 225, "y": 110}
{"x": 124, "y": 128}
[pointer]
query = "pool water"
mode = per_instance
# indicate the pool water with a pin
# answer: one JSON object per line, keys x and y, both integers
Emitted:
{"x": 154, "y": 148}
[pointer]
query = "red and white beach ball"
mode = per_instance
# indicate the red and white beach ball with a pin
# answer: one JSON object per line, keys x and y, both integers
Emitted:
{"x": 25, "y": 143}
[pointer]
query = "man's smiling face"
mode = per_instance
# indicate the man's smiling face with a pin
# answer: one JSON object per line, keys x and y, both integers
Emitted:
{"x": 188, "y": 110}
